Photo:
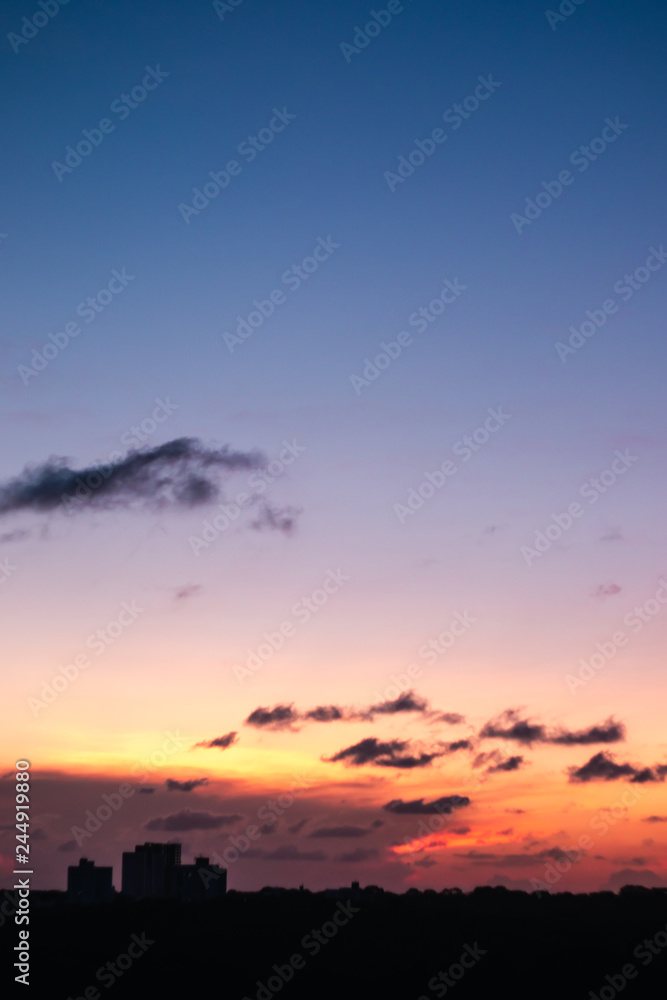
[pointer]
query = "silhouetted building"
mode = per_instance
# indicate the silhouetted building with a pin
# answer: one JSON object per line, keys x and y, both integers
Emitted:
{"x": 88, "y": 884}
{"x": 151, "y": 871}
{"x": 155, "y": 870}
{"x": 201, "y": 881}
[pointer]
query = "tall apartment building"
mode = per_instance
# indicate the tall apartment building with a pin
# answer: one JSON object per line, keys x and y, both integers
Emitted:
{"x": 86, "y": 883}
{"x": 155, "y": 871}
{"x": 150, "y": 870}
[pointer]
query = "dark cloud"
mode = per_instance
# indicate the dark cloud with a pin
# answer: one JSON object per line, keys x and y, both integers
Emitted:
{"x": 418, "y": 807}
{"x": 339, "y": 831}
{"x": 388, "y": 754}
{"x": 189, "y": 590}
{"x": 655, "y": 819}
{"x": 609, "y": 732}
{"x": 146, "y": 791}
{"x": 179, "y": 473}
{"x": 603, "y": 767}
{"x": 270, "y": 827}
{"x": 358, "y": 855}
{"x": 511, "y": 764}
{"x": 222, "y": 742}
{"x": 457, "y": 745}
{"x": 69, "y": 845}
{"x": 185, "y": 786}
{"x": 407, "y": 763}
{"x": 451, "y": 718}
{"x": 325, "y": 713}
{"x": 280, "y": 717}
{"x": 368, "y": 751}
{"x": 407, "y": 702}
{"x": 188, "y": 820}
{"x": 513, "y": 860}
{"x": 495, "y": 762}
{"x": 650, "y": 774}
{"x": 508, "y": 726}
{"x": 276, "y": 519}
{"x": 479, "y": 857}
{"x": 297, "y": 827}
{"x": 425, "y": 862}
{"x": 516, "y": 812}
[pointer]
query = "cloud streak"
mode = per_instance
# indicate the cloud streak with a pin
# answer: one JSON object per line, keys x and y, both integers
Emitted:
{"x": 390, "y": 753}
{"x": 511, "y": 764}
{"x": 285, "y": 716}
{"x": 222, "y": 742}
{"x": 185, "y": 786}
{"x": 189, "y": 820}
{"x": 280, "y": 717}
{"x": 180, "y": 473}
{"x": 603, "y": 767}
{"x": 418, "y": 807}
{"x": 509, "y": 726}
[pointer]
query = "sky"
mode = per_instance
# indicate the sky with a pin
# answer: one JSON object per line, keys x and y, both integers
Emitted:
{"x": 330, "y": 370}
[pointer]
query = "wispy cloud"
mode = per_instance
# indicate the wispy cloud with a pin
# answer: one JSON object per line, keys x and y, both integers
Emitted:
{"x": 369, "y": 751}
{"x": 510, "y": 726}
{"x": 603, "y": 767}
{"x": 189, "y": 820}
{"x": 280, "y": 717}
{"x": 222, "y": 742}
{"x": 391, "y": 753}
{"x": 495, "y": 762}
{"x": 185, "y": 786}
{"x": 511, "y": 764}
{"x": 180, "y": 473}
{"x": 285, "y": 716}
{"x": 608, "y": 732}
{"x": 418, "y": 807}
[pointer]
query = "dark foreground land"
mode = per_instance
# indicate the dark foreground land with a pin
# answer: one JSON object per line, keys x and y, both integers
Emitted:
{"x": 293, "y": 944}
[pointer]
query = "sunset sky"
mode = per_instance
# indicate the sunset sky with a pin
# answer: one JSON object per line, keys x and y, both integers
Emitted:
{"x": 446, "y": 537}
